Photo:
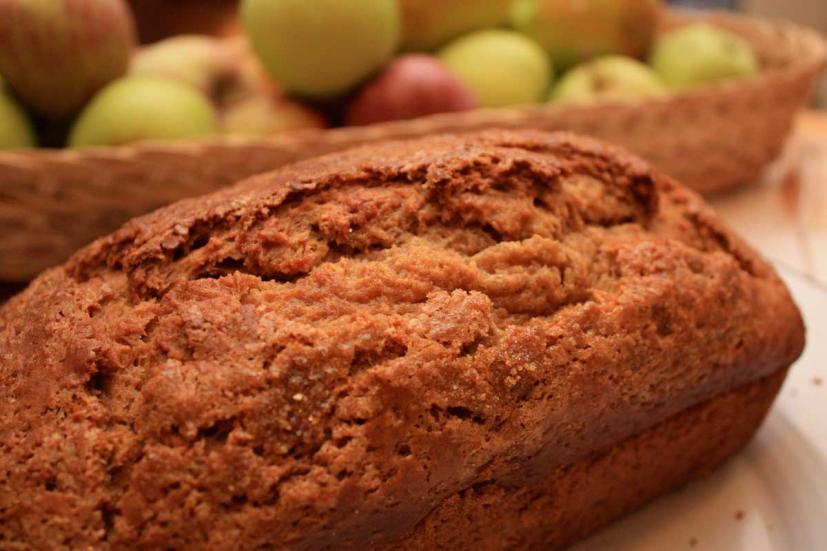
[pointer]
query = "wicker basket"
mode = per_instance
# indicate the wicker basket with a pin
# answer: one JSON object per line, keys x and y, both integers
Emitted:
{"x": 715, "y": 138}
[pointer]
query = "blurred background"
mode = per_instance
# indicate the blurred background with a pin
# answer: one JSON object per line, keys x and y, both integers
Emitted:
{"x": 216, "y": 17}
{"x": 212, "y": 15}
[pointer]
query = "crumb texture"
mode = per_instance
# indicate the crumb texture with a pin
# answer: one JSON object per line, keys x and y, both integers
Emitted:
{"x": 337, "y": 354}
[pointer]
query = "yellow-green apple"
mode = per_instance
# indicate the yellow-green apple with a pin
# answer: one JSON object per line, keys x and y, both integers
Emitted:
{"x": 322, "y": 48}
{"x": 701, "y": 54}
{"x": 15, "y": 127}
{"x": 574, "y": 31}
{"x": 141, "y": 108}
{"x": 612, "y": 78}
{"x": 500, "y": 67}
{"x": 198, "y": 60}
{"x": 428, "y": 24}
{"x": 261, "y": 115}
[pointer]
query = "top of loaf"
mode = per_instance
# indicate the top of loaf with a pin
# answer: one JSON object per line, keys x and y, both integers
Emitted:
{"x": 296, "y": 352}
{"x": 494, "y": 186}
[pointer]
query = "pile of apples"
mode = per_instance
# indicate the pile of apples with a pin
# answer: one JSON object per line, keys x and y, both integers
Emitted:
{"x": 71, "y": 73}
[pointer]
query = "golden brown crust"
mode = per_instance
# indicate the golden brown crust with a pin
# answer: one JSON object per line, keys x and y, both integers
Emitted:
{"x": 323, "y": 355}
{"x": 550, "y": 510}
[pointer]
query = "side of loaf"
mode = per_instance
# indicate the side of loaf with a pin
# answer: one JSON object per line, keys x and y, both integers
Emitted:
{"x": 503, "y": 340}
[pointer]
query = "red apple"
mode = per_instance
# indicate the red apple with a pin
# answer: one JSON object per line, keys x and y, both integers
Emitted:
{"x": 55, "y": 54}
{"x": 412, "y": 85}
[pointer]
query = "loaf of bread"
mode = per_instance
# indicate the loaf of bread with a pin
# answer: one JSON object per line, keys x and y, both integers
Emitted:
{"x": 489, "y": 342}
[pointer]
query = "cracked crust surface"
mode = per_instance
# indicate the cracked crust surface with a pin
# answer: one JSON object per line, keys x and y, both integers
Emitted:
{"x": 327, "y": 355}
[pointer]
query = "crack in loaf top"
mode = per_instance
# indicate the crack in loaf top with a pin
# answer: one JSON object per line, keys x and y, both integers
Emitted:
{"x": 254, "y": 367}
{"x": 443, "y": 168}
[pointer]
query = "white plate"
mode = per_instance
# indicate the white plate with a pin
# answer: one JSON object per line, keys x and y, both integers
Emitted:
{"x": 771, "y": 497}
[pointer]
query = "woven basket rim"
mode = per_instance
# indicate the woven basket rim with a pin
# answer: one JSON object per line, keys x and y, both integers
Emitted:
{"x": 814, "y": 61}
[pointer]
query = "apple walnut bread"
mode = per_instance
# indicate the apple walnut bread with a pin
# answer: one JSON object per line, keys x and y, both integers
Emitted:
{"x": 495, "y": 341}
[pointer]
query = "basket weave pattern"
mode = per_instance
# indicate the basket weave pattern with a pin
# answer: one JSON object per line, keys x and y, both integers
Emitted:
{"x": 712, "y": 139}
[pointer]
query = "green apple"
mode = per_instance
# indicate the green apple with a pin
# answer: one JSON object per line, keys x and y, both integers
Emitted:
{"x": 139, "y": 108}
{"x": 499, "y": 67}
{"x": 224, "y": 69}
{"x": 56, "y": 54}
{"x": 428, "y": 24}
{"x": 263, "y": 116}
{"x": 197, "y": 60}
{"x": 612, "y": 78}
{"x": 700, "y": 53}
{"x": 322, "y": 48}
{"x": 575, "y": 31}
{"x": 15, "y": 127}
